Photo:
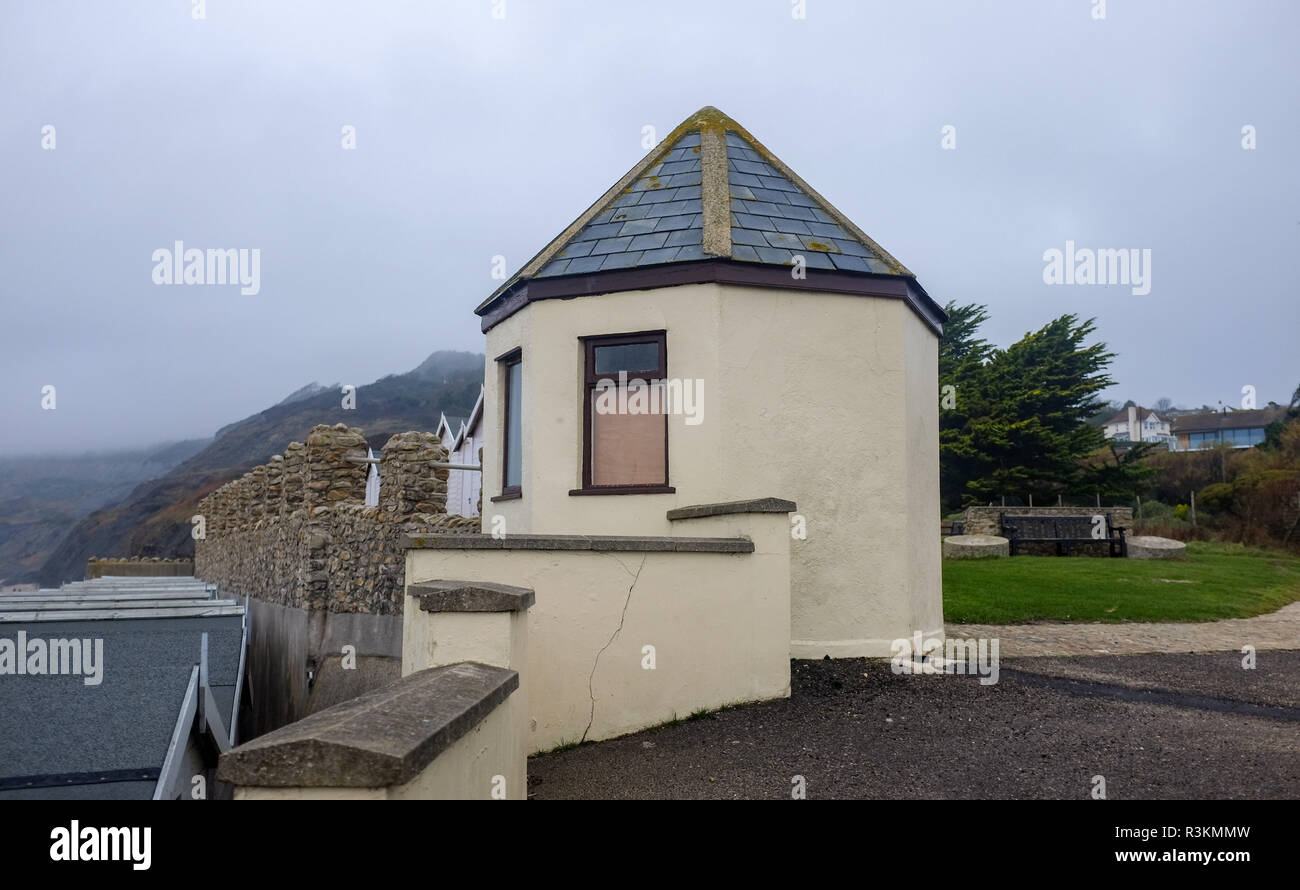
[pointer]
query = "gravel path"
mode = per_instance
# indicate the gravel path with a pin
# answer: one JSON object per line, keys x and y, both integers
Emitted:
{"x": 1155, "y": 726}
{"x": 1277, "y": 630}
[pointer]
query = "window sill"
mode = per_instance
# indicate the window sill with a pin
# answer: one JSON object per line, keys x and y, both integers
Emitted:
{"x": 507, "y": 496}
{"x": 625, "y": 489}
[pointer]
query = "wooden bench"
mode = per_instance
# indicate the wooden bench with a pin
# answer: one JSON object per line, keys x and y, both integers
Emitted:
{"x": 1063, "y": 531}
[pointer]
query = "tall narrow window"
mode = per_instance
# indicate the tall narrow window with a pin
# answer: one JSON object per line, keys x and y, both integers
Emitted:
{"x": 512, "y": 448}
{"x": 625, "y": 420}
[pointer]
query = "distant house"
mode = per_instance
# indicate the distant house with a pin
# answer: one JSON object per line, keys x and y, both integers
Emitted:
{"x": 1138, "y": 424}
{"x": 1240, "y": 429}
{"x": 463, "y": 442}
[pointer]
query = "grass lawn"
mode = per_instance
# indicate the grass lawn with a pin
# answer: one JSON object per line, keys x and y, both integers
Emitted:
{"x": 1215, "y": 581}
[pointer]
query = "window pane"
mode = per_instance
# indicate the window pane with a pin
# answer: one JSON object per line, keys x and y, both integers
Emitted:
{"x": 627, "y": 449}
{"x": 628, "y": 357}
{"x": 514, "y": 412}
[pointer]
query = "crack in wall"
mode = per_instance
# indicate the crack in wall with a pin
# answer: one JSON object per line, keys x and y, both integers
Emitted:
{"x": 591, "y": 691}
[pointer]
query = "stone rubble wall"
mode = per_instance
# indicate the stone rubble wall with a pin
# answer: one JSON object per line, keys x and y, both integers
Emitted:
{"x": 296, "y": 531}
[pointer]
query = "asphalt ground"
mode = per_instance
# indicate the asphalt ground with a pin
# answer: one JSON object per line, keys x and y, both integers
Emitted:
{"x": 1154, "y": 726}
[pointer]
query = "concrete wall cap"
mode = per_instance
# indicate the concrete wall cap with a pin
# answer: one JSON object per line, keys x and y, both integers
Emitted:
{"x": 381, "y": 738}
{"x": 754, "y": 505}
{"x": 471, "y": 596}
{"x": 625, "y": 543}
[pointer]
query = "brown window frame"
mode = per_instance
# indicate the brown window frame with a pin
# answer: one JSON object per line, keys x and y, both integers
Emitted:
{"x": 505, "y": 362}
{"x": 590, "y": 379}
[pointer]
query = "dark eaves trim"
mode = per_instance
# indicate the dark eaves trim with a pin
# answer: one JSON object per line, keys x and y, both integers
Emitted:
{"x": 713, "y": 271}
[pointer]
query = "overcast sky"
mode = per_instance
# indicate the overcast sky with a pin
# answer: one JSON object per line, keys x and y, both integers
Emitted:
{"x": 478, "y": 136}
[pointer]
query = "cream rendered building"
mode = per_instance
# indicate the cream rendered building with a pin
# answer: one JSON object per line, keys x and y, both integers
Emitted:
{"x": 712, "y": 266}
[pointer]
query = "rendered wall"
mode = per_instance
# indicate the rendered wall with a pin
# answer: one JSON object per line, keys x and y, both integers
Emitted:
{"x": 719, "y": 624}
{"x": 828, "y": 400}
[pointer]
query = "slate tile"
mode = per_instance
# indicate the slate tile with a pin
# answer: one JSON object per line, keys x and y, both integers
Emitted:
{"x": 776, "y": 255}
{"x": 757, "y": 168}
{"x": 821, "y": 215}
{"x": 690, "y": 140}
{"x": 825, "y": 245}
{"x": 801, "y": 199}
{"x": 669, "y": 223}
{"x": 675, "y": 208}
{"x": 554, "y": 267}
{"x": 637, "y": 227}
{"x": 688, "y": 193}
{"x": 782, "y": 239}
{"x": 754, "y": 221}
{"x": 744, "y": 179}
{"x": 853, "y": 248}
{"x": 734, "y": 138}
{"x": 747, "y": 236}
{"x": 780, "y": 183}
{"x": 648, "y": 242}
{"x": 744, "y": 252}
{"x": 827, "y": 230}
{"x": 620, "y": 260}
{"x": 636, "y": 211}
{"x": 595, "y": 233}
{"x": 576, "y": 249}
{"x": 793, "y": 226}
{"x": 804, "y": 213}
{"x": 770, "y": 195}
{"x": 675, "y": 167}
{"x": 741, "y": 192}
{"x": 658, "y": 197}
{"x": 849, "y": 263}
{"x": 682, "y": 179}
{"x": 690, "y": 252}
{"x": 817, "y": 260}
{"x": 684, "y": 237}
{"x": 663, "y": 255}
{"x": 761, "y": 208}
{"x": 611, "y": 245}
{"x": 585, "y": 264}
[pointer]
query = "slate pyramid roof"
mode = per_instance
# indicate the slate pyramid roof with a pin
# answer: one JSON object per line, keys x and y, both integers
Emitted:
{"x": 709, "y": 191}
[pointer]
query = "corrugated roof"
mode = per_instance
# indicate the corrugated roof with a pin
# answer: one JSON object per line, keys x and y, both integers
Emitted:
{"x": 709, "y": 190}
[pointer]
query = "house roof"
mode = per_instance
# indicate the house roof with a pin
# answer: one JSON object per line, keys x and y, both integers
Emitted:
{"x": 65, "y": 739}
{"x": 710, "y": 191}
{"x": 1122, "y": 416}
{"x": 1227, "y": 420}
